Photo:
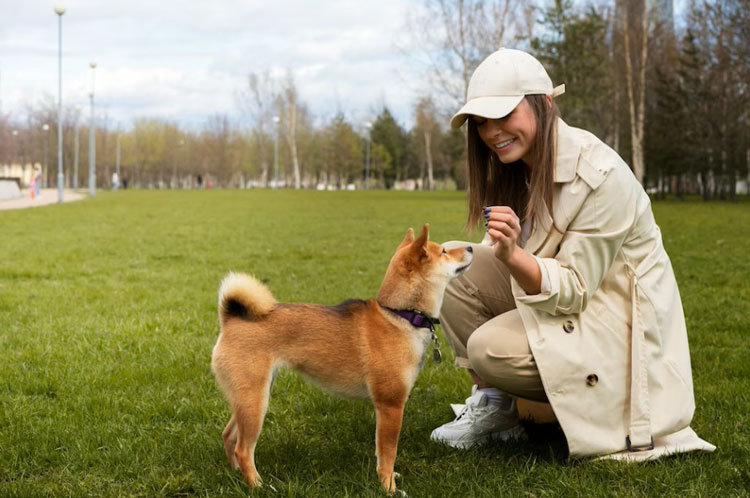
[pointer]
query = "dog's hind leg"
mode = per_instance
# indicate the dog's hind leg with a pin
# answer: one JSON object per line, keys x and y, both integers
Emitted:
{"x": 250, "y": 404}
{"x": 388, "y": 416}
{"x": 229, "y": 435}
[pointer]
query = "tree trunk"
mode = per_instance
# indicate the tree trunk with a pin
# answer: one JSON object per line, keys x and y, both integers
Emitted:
{"x": 428, "y": 155}
{"x": 293, "y": 142}
{"x": 636, "y": 102}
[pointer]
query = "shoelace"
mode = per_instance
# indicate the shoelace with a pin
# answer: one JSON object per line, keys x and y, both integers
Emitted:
{"x": 471, "y": 411}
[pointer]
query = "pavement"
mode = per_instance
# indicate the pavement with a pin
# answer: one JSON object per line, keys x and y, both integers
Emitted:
{"x": 46, "y": 196}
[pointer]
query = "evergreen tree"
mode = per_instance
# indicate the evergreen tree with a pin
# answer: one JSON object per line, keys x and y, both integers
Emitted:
{"x": 388, "y": 133}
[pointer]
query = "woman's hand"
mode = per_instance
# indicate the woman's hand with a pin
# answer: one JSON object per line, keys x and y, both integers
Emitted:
{"x": 504, "y": 227}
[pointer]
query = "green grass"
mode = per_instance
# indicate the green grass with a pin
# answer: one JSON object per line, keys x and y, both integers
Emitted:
{"x": 108, "y": 317}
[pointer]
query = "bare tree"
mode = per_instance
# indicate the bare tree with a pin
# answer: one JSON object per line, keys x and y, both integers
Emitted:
{"x": 427, "y": 126}
{"x": 454, "y": 36}
{"x": 258, "y": 102}
{"x": 633, "y": 76}
{"x": 290, "y": 111}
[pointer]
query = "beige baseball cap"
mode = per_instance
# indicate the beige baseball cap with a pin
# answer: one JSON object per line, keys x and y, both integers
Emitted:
{"x": 501, "y": 81}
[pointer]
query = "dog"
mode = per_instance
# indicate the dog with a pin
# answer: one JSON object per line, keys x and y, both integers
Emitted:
{"x": 358, "y": 349}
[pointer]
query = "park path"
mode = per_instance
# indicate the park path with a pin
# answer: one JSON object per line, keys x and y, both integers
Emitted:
{"x": 46, "y": 196}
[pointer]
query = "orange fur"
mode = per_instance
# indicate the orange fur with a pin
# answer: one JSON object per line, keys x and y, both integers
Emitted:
{"x": 356, "y": 349}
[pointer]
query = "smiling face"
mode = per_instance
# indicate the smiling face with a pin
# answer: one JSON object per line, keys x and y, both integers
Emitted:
{"x": 510, "y": 138}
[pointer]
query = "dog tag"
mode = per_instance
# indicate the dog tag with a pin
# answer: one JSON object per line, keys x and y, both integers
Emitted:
{"x": 435, "y": 346}
{"x": 436, "y": 355}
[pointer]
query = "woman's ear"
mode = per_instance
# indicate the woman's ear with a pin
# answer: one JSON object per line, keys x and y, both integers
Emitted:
{"x": 549, "y": 101}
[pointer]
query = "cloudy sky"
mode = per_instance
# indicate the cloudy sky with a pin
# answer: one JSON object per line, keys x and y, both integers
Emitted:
{"x": 187, "y": 60}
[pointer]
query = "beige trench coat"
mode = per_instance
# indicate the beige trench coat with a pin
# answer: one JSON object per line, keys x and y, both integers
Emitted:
{"x": 609, "y": 337}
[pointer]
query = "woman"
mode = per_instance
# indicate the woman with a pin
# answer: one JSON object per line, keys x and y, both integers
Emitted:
{"x": 571, "y": 298}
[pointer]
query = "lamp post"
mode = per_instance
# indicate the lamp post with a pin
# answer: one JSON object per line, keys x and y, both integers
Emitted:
{"x": 15, "y": 146}
{"x": 117, "y": 159}
{"x": 92, "y": 146}
{"x": 276, "y": 120}
{"x": 59, "y": 10}
{"x": 368, "y": 126}
{"x": 75, "y": 148}
{"x": 45, "y": 127}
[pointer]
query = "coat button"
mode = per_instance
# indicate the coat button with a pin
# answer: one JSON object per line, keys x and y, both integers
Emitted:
{"x": 592, "y": 379}
{"x": 568, "y": 326}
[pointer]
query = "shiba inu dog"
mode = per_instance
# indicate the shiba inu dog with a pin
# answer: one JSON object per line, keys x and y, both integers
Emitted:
{"x": 359, "y": 349}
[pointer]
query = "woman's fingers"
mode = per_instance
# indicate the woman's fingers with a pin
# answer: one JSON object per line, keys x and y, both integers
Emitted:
{"x": 506, "y": 219}
{"x": 502, "y": 227}
{"x": 500, "y": 236}
{"x": 504, "y": 214}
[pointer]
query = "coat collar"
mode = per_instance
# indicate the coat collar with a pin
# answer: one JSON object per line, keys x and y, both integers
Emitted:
{"x": 568, "y": 152}
{"x": 566, "y": 163}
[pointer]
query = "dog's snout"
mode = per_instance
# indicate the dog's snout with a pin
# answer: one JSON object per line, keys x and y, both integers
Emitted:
{"x": 470, "y": 249}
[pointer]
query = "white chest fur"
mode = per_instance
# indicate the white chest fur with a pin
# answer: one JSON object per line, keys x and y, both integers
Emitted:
{"x": 419, "y": 338}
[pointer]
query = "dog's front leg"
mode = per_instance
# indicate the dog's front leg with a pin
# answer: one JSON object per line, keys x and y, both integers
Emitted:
{"x": 388, "y": 418}
{"x": 229, "y": 435}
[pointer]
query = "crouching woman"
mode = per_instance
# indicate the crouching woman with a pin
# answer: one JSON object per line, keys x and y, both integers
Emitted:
{"x": 571, "y": 299}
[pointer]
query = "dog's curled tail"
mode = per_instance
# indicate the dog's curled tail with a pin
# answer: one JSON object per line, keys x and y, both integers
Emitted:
{"x": 243, "y": 296}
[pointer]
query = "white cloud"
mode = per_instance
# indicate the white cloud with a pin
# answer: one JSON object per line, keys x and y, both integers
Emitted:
{"x": 186, "y": 60}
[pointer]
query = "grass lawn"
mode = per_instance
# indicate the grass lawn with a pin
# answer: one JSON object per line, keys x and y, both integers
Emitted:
{"x": 108, "y": 316}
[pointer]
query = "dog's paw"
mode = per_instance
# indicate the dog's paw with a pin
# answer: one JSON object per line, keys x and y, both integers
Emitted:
{"x": 255, "y": 481}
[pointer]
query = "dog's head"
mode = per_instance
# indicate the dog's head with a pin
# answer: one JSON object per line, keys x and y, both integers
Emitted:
{"x": 419, "y": 272}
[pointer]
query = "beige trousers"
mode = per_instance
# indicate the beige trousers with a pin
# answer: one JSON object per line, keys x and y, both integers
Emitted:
{"x": 484, "y": 328}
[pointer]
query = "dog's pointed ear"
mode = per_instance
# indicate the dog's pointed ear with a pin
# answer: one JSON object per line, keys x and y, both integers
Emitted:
{"x": 408, "y": 239}
{"x": 424, "y": 236}
{"x": 419, "y": 246}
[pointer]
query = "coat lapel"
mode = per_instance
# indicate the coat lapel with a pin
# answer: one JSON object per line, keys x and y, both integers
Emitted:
{"x": 540, "y": 232}
{"x": 566, "y": 162}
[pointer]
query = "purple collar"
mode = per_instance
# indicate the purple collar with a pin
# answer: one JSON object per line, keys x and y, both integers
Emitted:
{"x": 416, "y": 318}
{"x": 419, "y": 319}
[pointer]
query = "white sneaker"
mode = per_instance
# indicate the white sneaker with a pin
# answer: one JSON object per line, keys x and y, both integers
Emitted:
{"x": 480, "y": 423}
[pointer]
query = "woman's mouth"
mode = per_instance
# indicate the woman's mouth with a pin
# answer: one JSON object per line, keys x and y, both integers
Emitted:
{"x": 504, "y": 145}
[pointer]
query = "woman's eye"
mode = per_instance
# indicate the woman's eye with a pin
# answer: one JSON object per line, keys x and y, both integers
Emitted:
{"x": 444, "y": 252}
{"x": 480, "y": 123}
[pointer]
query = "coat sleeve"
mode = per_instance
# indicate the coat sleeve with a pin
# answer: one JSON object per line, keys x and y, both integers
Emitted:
{"x": 589, "y": 245}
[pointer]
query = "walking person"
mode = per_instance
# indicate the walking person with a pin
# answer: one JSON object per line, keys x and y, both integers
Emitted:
{"x": 571, "y": 299}
{"x": 37, "y": 182}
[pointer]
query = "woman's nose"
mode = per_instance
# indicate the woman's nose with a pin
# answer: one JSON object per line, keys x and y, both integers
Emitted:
{"x": 494, "y": 127}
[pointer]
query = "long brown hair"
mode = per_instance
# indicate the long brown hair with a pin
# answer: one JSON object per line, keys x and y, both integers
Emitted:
{"x": 525, "y": 190}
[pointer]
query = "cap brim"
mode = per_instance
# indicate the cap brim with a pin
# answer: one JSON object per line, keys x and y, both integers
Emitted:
{"x": 486, "y": 107}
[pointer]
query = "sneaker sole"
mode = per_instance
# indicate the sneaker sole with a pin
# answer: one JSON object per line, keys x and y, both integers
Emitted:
{"x": 515, "y": 433}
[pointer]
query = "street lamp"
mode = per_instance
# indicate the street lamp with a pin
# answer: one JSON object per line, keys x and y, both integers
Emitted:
{"x": 117, "y": 160}
{"x": 92, "y": 146}
{"x": 368, "y": 126}
{"x": 15, "y": 146}
{"x": 276, "y": 120}
{"x": 59, "y": 10}
{"x": 45, "y": 127}
{"x": 75, "y": 148}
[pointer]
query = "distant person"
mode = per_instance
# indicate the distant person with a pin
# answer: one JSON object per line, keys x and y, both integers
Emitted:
{"x": 571, "y": 299}
{"x": 32, "y": 185}
{"x": 115, "y": 181}
{"x": 124, "y": 183}
{"x": 37, "y": 180}
{"x": 200, "y": 181}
